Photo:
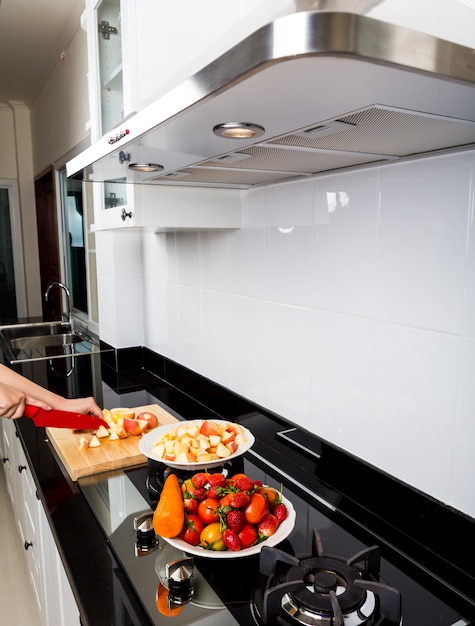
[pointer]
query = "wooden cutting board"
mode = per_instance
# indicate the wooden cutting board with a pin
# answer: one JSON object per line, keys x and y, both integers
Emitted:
{"x": 109, "y": 456}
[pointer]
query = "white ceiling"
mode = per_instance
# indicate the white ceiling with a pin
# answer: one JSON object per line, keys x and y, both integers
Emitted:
{"x": 33, "y": 33}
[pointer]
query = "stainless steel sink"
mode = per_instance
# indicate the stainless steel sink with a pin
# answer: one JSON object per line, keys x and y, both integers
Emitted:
{"x": 45, "y": 340}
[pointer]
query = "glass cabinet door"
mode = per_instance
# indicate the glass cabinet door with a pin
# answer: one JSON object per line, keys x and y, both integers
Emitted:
{"x": 111, "y": 91}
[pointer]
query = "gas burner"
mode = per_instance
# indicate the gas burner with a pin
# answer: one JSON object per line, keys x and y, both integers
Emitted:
{"x": 324, "y": 590}
{"x": 159, "y": 472}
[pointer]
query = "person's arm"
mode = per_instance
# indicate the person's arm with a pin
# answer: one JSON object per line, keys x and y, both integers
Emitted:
{"x": 16, "y": 391}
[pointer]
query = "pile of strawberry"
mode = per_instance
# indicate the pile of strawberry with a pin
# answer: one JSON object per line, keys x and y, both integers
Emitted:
{"x": 229, "y": 513}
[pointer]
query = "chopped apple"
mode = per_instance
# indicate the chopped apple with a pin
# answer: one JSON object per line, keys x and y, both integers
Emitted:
{"x": 203, "y": 441}
{"x": 193, "y": 430}
{"x": 169, "y": 446}
{"x": 169, "y": 456}
{"x": 181, "y": 431}
{"x": 208, "y": 428}
{"x": 228, "y": 436}
{"x": 83, "y": 444}
{"x": 135, "y": 426}
{"x": 94, "y": 443}
{"x": 231, "y": 446}
{"x": 159, "y": 450}
{"x": 185, "y": 457}
{"x": 204, "y": 458}
{"x": 214, "y": 440}
{"x": 151, "y": 418}
{"x": 113, "y": 436}
{"x": 122, "y": 433}
{"x": 102, "y": 432}
{"x": 240, "y": 439}
{"x": 222, "y": 451}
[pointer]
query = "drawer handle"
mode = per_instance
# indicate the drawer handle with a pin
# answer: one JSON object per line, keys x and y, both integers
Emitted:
{"x": 5, "y": 459}
{"x": 21, "y": 468}
{"x": 27, "y": 545}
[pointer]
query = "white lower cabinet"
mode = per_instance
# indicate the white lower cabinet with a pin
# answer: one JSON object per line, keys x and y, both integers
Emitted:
{"x": 51, "y": 588}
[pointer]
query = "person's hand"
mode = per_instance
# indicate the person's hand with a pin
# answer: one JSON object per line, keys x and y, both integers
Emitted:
{"x": 12, "y": 402}
{"x": 80, "y": 405}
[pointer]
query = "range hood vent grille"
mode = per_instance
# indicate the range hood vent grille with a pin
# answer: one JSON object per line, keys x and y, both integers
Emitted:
{"x": 372, "y": 135}
{"x": 390, "y": 131}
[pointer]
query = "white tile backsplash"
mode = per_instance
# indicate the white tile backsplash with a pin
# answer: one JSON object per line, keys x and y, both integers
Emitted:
{"x": 346, "y": 242}
{"x": 345, "y": 303}
{"x": 422, "y": 244}
{"x": 342, "y": 380}
{"x": 416, "y": 375}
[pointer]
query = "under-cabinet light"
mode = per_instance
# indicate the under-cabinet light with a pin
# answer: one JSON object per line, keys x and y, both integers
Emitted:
{"x": 238, "y": 130}
{"x": 145, "y": 167}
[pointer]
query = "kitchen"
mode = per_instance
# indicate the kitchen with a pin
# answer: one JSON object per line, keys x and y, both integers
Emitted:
{"x": 383, "y": 295}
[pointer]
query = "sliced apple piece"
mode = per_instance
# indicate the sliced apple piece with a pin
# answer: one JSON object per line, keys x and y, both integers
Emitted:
{"x": 222, "y": 451}
{"x": 83, "y": 444}
{"x": 102, "y": 432}
{"x": 94, "y": 443}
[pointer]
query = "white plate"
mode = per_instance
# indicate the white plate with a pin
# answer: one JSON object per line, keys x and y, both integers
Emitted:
{"x": 281, "y": 533}
{"x": 148, "y": 441}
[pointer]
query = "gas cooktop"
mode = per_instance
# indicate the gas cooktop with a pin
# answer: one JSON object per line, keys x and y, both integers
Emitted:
{"x": 331, "y": 570}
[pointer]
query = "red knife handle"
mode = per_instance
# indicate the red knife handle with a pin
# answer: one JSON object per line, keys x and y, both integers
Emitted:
{"x": 30, "y": 410}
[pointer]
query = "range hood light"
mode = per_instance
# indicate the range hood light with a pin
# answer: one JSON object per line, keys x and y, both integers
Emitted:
{"x": 238, "y": 130}
{"x": 145, "y": 167}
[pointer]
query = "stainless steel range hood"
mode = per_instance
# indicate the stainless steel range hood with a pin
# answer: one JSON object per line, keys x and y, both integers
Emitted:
{"x": 332, "y": 91}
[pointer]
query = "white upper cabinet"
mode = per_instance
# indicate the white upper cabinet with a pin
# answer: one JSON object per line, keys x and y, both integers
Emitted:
{"x": 139, "y": 50}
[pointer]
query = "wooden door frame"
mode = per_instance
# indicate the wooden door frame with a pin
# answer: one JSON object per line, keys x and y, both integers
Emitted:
{"x": 48, "y": 241}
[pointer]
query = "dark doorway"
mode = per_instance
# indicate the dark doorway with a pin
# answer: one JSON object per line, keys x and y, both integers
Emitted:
{"x": 48, "y": 242}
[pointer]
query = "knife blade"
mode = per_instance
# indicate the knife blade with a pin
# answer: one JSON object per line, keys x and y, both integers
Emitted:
{"x": 63, "y": 419}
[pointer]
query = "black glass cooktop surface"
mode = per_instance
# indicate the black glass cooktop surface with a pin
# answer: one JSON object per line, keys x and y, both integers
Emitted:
{"x": 226, "y": 587}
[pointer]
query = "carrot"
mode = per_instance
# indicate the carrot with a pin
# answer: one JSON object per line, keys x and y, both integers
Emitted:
{"x": 169, "y": 516}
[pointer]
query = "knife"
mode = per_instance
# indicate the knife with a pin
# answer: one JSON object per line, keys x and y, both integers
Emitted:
{"x": 63, "y": 419}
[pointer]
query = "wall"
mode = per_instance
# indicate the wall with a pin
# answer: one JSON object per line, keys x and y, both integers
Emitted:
{"x": 60, "y": 114}
{"x": 345, "y": 304}
{"x": 16, "y": 164}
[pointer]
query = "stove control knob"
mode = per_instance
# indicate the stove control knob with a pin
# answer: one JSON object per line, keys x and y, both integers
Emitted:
{"x": 146, "y": 538}
{"x": 179, "y": 573}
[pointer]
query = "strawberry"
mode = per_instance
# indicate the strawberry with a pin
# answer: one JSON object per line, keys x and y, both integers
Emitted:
{"x": 231, "y": 540}
{"x": 200, "y": 479}
{"x": 243, "y": 483}
{"x": 225, "y": 500}
{"x": 235, "y": 519}
{"x": 240, "y": 500}
{"x": 200, "y": 494}
{"x": 215, "y": 492}
{"x": 191, "y": 505}
{"x": 248, "y": 535}
{"x": 216, "y": 480}
{"x": 280, "y": 512}
{"x": 268, "y": 526}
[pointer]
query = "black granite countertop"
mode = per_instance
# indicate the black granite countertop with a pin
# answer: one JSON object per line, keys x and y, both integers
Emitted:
{"x": 135, "y": 377}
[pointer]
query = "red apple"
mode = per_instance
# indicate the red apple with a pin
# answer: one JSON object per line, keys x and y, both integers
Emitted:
{"x": 150, "y": 418}
{"x": 135, "y": 426}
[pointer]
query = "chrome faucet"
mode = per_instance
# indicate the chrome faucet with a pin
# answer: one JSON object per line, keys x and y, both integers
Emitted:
{"x": 69, "y": 315}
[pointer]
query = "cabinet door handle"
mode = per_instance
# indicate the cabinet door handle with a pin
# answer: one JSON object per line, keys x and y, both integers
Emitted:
{"x": 125, "y": 214}
{"x": 27, "y": 545}
{"x": 21, "y": 468}
{"x": 5, "y": 459}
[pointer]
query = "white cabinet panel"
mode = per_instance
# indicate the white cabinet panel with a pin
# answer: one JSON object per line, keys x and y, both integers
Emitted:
{"x": 52, "y": 591}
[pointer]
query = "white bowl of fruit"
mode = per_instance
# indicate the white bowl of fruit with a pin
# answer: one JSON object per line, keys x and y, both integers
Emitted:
{"x": 196, "y": 444}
